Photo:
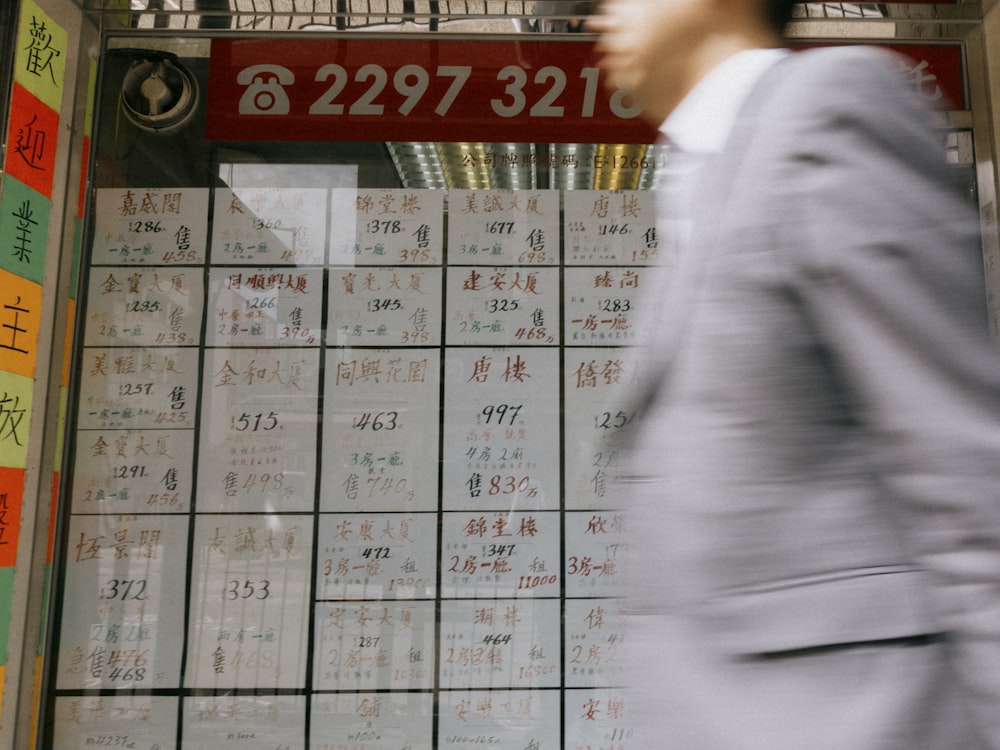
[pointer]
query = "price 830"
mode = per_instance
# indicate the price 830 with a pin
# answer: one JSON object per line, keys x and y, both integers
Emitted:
{"x": 542, "y": 94}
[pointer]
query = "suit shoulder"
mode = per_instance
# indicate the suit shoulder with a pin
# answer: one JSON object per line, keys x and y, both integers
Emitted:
{"x": 851, "y": 67}
{"x": 863, "y": 80}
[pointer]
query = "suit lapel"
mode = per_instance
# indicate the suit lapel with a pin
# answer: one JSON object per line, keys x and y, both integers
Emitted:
{"x": 708, "y": 205}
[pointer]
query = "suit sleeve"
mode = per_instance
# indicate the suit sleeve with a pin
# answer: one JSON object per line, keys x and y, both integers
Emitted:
{"x": 889, "y": 267}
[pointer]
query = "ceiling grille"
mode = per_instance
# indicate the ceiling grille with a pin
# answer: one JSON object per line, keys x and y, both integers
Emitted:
{"x": 547, "y": 15}
{"x": 287, "y": 15}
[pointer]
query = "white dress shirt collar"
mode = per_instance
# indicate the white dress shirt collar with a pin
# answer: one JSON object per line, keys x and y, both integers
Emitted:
{"x": 703, "y": 120}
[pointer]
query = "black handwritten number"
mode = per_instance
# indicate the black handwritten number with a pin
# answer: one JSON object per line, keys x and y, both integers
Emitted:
{"x": 128, "y": 472}
{"x": 261, "y": 224}
{"x": 255, "y": 422}
{"x": 143, "y": 306}
{"x": 135, "y": 389}
{"x": 385, "y": 226}
{"x": 376, "y": 305}
{"x": 382, "y": 420}
{"x": 614, "y": 305}
{"x": 608, "y": 421}
{"x": 502, "y": 305}
{"x": 126, "y": 589}
{"x": 500, "y": 413}
{"x": 248, "y": 589}
{"x": 500, "y": 227}
{"x": 145, "y": 226}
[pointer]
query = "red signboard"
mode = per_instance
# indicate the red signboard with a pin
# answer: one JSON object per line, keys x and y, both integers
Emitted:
{"x": 440, "y": 89}
{"x": 377, "y": 89}
{"x": 933, "y": 70}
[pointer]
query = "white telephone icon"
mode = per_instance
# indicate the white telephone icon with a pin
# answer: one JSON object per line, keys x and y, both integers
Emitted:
{"x": 265, "y": 94}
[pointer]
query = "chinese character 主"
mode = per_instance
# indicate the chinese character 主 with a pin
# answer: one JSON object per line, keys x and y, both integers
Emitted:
{"x": 14, "y": 326}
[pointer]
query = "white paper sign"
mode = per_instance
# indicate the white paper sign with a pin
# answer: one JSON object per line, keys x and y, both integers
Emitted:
{"x": 503, "y": 227}
{"x": 599, "y": 718}
{"x": 595, "y": 544}
{"x": 599, "y": 393}
{"x": 595, "y": 643}
{"x": 384, "y": 306}
{"x": 258, "y": 430}
{"x": 269, "y": 226}
{"x": 501, "y": 306}
{"x": 249, "y": 601}
{"x": 136, "y": 388}
{"x": 265, "y": 307}
{"x": 380, "y": 430}
{"x": 384, "y": 227}
{"x": 500, "y": 643}
{"x": 610, "y": 227}
{"x": 501, "y": 420}
{"x": 137, "y": 722}
{"x": 152, "y": 226}
{"x": 258, "y": 722}
{"x": 121, "y": 623}
{"x": 500, "y": 554}
{"x": 377, "y": 556}
{"x": 518, "y": 719}
{"x": 144, "y": 307}
{"x": 372, "y": 721}
{"x": 133, "y": 471}
{"x": 602, "y": 306}
{"x": 371, "y": 646}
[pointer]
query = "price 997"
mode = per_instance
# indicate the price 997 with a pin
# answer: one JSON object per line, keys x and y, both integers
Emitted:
{"x": 500, "y": 414}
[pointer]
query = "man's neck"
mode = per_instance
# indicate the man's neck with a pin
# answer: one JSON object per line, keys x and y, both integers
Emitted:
{"x": 710, "y": 54}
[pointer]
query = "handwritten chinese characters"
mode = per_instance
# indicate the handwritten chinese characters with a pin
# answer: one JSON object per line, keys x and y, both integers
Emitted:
{"x": 124, "y": 579}
{"x": 269, "y": 226}
{"x": 500, "y": 419}
{"x": 371, "y": 442}
{"x": 386, "y": 227}
{"x": 380, "y": 434}
{"x": 250, "y": 601}
{"x": 258, "y": 436}
{"x": 150, "y": 226}
{"x": 610, "y": 227}
{"x": 503, "y": 227}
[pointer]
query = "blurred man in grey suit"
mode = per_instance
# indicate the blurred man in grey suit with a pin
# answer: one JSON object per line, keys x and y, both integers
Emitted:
{"x": 815, "y": 469}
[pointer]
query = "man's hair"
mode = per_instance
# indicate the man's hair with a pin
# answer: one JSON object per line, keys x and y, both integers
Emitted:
{"x": 778, "y": 13}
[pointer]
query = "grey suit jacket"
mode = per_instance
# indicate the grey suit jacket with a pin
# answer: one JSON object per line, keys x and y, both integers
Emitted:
{"x": 814, "y": 483}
